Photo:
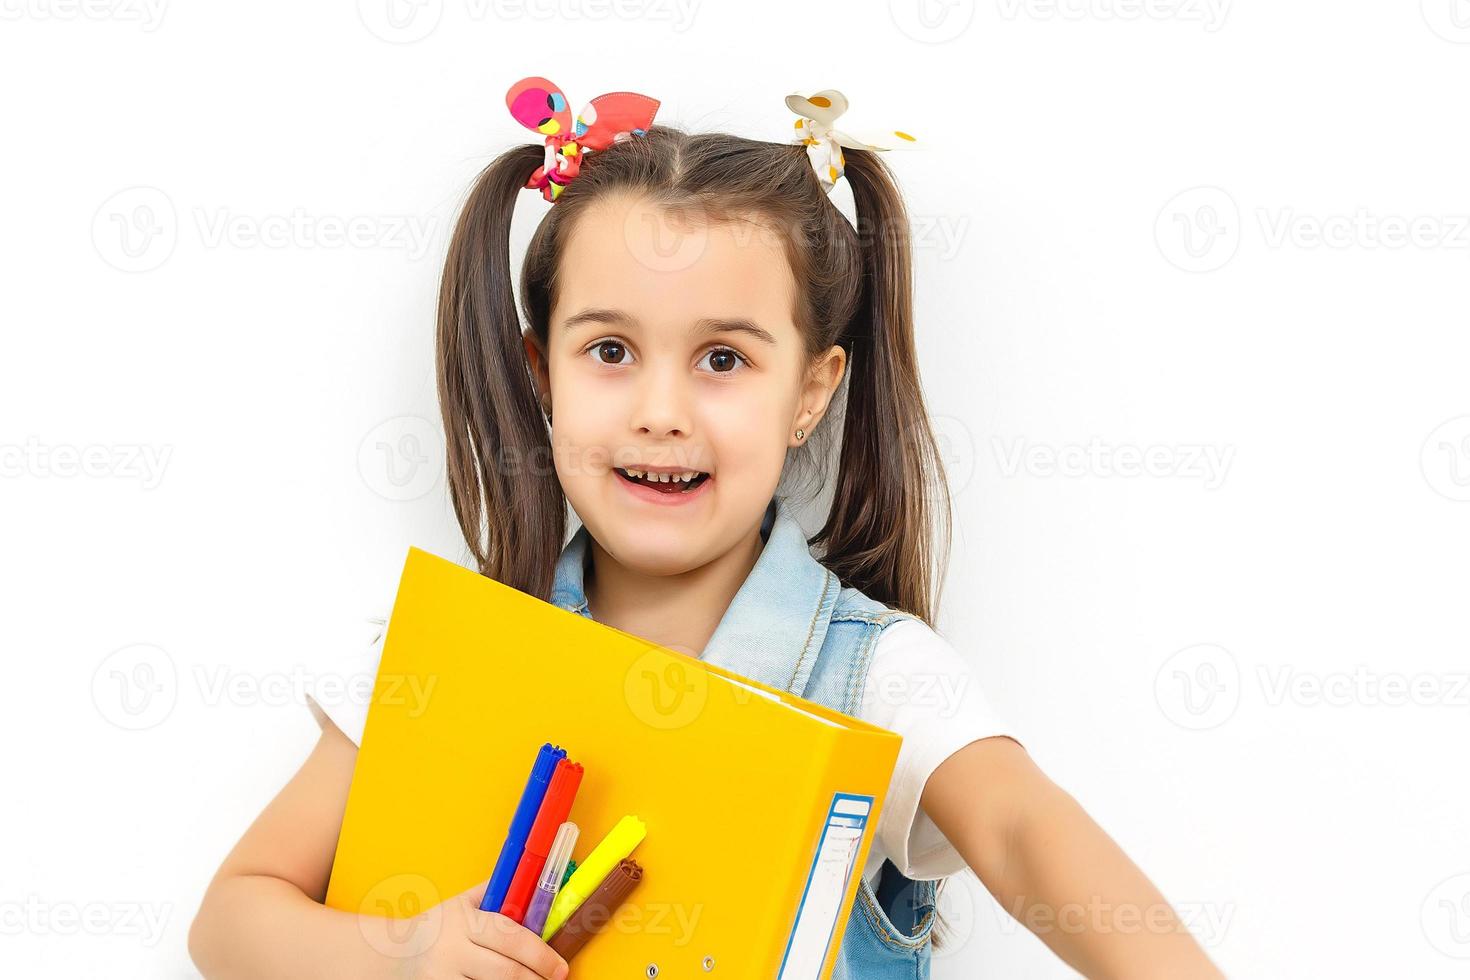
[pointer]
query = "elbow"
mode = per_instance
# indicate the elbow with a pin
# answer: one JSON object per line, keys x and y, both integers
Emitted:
{"x": 203, "y": 941}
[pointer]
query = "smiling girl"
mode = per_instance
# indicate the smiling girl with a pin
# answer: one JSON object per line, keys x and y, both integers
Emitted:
{"x": 698, "y": 320}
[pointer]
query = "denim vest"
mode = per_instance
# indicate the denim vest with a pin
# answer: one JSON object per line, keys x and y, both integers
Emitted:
{"x": 792, "y": 625}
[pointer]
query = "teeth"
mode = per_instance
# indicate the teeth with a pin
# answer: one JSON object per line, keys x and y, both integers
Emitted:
{"x": 684, "y": 477}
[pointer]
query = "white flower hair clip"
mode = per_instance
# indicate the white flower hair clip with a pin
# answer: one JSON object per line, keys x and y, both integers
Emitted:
{"x": 816, "y": 129}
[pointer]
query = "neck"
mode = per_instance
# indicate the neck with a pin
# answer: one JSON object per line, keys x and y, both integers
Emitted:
{"x": 679, "y": 611}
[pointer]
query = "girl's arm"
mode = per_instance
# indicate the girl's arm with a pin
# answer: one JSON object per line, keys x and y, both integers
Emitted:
{"x": 1055, "y": 870}
{"x": 263, "y": 916}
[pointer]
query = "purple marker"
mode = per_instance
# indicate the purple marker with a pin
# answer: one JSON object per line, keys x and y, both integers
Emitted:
{"x": 551, "y": 874}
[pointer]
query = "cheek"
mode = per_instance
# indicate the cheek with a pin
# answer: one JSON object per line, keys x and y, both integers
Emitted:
{"x": 583, "y": 429}
{"x": 747, "y": 429}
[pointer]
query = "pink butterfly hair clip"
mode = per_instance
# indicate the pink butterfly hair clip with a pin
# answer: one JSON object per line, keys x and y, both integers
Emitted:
{"x": 541, "y": 107}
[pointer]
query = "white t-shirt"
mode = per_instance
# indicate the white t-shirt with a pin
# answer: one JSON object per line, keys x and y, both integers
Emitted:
{"x": 918, "y": 686}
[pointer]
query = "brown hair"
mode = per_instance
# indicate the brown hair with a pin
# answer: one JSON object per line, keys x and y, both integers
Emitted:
{"x": 854, "y": 287}
{"x": 889, "y": 498}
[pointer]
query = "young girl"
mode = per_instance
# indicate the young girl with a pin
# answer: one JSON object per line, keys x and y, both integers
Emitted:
{"x": 695, "y": 304}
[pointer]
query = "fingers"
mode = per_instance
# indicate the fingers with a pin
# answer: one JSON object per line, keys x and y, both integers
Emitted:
{"x": 515, "y": 942}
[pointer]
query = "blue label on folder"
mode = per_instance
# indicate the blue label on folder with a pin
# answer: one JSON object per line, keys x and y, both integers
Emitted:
{"x": 826, "y": 882}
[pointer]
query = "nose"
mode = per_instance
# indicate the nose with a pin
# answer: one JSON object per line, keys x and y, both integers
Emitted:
{"x": 663, "y": 405}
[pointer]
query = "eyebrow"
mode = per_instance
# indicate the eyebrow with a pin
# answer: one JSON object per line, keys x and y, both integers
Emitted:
{"x": 701, "y": 327}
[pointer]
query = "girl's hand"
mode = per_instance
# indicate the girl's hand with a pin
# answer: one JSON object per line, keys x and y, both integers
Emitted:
{"x": 458, "y": 940}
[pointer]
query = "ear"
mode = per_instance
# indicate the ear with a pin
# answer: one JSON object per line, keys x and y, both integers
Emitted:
{"x": 540, "y": 370}
{"x": 821, "y": 382}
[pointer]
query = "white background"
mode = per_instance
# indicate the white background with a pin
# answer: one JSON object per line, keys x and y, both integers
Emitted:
{"x": 1176, "y": 228}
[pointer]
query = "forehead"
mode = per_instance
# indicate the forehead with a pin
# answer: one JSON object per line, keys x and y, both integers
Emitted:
{"x": 671, "y": 270}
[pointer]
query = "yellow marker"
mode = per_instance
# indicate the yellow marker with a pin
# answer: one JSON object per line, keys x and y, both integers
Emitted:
{"x": 618, "y": 844}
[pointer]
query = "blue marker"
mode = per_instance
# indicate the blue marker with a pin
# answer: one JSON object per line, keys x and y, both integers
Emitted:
{"x": 520, "y": 826}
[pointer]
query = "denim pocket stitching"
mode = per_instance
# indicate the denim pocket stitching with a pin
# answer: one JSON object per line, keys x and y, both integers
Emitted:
{"x": 884, "y": 928}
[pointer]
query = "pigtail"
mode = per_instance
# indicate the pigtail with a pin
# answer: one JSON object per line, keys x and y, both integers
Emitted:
{"x": 507, "y": 498}
{"x": 891, "y": 494}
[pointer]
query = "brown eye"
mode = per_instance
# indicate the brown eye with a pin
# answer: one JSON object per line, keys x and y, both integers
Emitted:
{"x": 723, "y": 360}
{"x": 606, "y": 346}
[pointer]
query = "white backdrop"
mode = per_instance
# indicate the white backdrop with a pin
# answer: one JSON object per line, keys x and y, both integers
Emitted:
{"x": 1192, "y": 312}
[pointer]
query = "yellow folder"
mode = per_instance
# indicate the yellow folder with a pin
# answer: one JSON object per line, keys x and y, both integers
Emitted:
{"x": 760, "y": 806}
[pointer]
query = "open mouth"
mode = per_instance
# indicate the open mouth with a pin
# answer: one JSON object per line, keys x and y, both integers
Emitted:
{"x": 665, "y": 482}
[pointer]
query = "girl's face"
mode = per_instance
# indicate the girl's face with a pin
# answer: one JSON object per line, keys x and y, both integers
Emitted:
{"x": 672, "y": 347}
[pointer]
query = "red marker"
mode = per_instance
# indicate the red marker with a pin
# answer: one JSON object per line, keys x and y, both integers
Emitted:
{"x": 549, "y": 818}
